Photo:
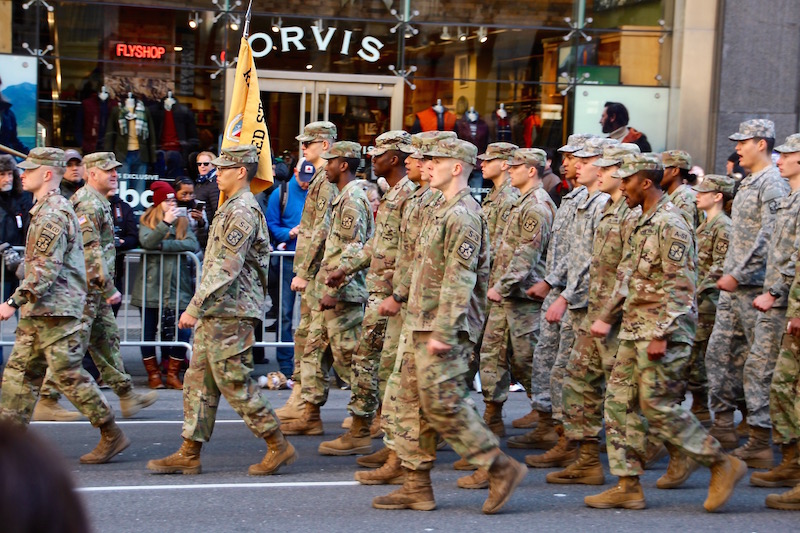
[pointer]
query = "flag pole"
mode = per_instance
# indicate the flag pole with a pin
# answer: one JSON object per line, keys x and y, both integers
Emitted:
{"x": 246, "y": 32}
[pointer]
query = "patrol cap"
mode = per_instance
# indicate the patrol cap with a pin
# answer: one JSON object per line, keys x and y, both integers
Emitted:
{"x": 71, "y": 154}
{"x": 322, "y": 130}
{"x": 716, "y": 183}
{"x": 595, "y": 146}
{"x": 236, "y": 156}
{"x": 757, "y": 127}
{"x": 498, "y": 151}
{"x": 676, "y": 158}
{"x": 575, "y": 142}
{"x": 528, "y": 156}
{"x": 391, "y": 140}
{"x": 456, "y": 149}
{"x": 44, "y": 156}
{"x": 790, "y": 145}
{"x": 101, "y": 160}
{"x": 422, "y": 142}
{"x": 305, "y": 171}
{"x": 613, "y": 154}
{"x": 348, "y": 149}
{"x": 633, "y": 163}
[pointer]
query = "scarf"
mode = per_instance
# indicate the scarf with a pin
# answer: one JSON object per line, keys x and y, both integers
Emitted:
{"x": 142, "y": 130}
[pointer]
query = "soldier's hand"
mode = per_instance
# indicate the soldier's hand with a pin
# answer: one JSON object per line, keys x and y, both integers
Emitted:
{"x": 298, "y": 284}
{"x": 494, "y": 296}
{"x": 600, "y": 329}
{"x": 6, "y": 311}
{"x": 389, "y": 307}
{"x": 328, "y": 302}
{"x": 764, "y": 302}
{"x": 114, "y": 299}
{"x": 539, "y": 291}
{"x": 186, "y": 321}
{"x": 727, "y": 283}
{"x": 556, "y": 310}
{"x": 437, "y": 347}
{"x": 335, "y": 278}
{"x": 656, "y": 349}
{"x": 793, "y": 327}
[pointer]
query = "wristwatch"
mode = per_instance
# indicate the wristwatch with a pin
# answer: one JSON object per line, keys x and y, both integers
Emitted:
{"x": 774, "y": 293}
{"x": 12, "y": 303}
{"x": 397, "y": 298}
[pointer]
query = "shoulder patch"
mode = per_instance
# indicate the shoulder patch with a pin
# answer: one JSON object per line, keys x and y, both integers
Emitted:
{"x": 679, "y": 234}
{"x": 321, "y": 204}
{"x": 721, "y": 246}
{"x": 506, "y": 214}
{"x": 466, "y": 249}
{"x": 677, "y": 250}
{"x": 773, "y": 206}
{"x": 237, "y": 233}
{"x": 530, "y": 224}
{"x": 48, "y": 236}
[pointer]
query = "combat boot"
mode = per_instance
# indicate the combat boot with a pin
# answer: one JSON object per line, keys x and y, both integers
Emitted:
{"x": 587, "y": 470}
{"x": 543, "y": 437}
{"x": 700, "y": 408}
{"x": 153, "y": 373}
{"x": 347, "y": 422}
{"x": 757, "y": 451}
{"x": 172, "y": 380}
{"x": 374, "y": 460}
{"x": 390, "y": 473}
{"x": 526, "y": 422}
{"x": 309, "y": 424}
{"x": 185, "y": 461}
{"x": 627, "y": 494}
{"x": 564, "y": 453}
{"x": 464, "y": 465}
{"x": 112, "y": 442}
{"x": 725, "y": 474}
{"x": 375, "y": 430}
{"x": 654, "y": 452}
{"x": 786, "y": 474}
{"x": 416, "y": 493}
{"x": 722, "y": 430}
{"x": 132, "y": 402}
{"x": 493, "y": 416}
{"x": 505, "y": 475}
{"x": 788, "y": 501}
{"x": 679, "y": 469}
{"x": 743, "y": 429}
{"x": 280, "y": 452}
{"x": 294, "y": 407}
{"x": 478, "y": 480}
{"x": 356, "y": 441}
{"x": 49, "y": 410}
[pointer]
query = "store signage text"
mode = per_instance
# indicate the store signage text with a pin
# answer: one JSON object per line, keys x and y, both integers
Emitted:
{"x": 139, "y": 51}
{"x": 292, "y": 36}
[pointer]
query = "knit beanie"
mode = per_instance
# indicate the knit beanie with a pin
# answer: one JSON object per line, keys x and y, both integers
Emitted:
{"x": 161, "y": 189}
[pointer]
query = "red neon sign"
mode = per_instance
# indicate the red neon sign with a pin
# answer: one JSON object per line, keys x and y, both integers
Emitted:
{"x": 139, "y": 51}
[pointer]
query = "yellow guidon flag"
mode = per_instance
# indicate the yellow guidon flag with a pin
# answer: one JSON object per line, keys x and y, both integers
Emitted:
{"x": 246, "y": 122}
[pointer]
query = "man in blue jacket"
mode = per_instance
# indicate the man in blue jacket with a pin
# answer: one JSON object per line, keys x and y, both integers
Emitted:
{"x": 284, "y": 209}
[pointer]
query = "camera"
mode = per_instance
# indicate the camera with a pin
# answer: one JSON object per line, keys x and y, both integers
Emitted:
{"x": 182, "y": 212}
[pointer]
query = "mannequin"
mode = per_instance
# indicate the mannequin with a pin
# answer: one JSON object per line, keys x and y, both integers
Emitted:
{"x": 175, "y": 127}
{"x": 503, "y": 125}
{"x": 92, "y": 121}
{"x": 130, "y": 135}
{"x": 474, "y": 129}
{"x": 436, "y": 117}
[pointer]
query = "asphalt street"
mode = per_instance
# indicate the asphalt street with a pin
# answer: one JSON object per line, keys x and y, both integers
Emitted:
{"x": 318, "y": 493}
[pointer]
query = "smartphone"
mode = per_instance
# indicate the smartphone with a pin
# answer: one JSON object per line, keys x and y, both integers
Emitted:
{"x": 199, "y": 205}
{"x": 182, "y": 212}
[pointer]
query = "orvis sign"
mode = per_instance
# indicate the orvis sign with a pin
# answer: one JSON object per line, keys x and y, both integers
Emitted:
{"x": 290, "y": 37}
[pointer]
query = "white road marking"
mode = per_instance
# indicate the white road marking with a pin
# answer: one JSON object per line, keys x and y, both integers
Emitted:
{"x": 124, "y": 488}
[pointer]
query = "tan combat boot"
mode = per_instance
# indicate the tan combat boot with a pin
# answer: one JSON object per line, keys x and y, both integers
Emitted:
{"x": 757, "y": 451}
{"x": 280, "y": 452}
{"x": 132, "y": 402}
{"x": 153, "y": 373}
{"x": 355, "y": 442}
{"x": 493, "y": 416}
{"x": 478, "y": 480}
{"x": 564, "y": 453}
{"x": 49, "y": 410}
{"x": 309, "y": 424}
{"x": 505, "y": 475}
{"x": 185, "y": 461}
{"x": 416, "y": 493}
{"x": 743, "y": 429}
{"x": 347, "y": 423}
{"x": 786, "y": 474}
{"x": 654, "y": 452}
{"x": 722, "y": 429}
{"x": 374, "y": 460}
{"x": 173, "y": 381}
{"x": 294, "y": 407}
{"x": 725, "y": 474}
{"x": 464, "y": 465}
{"x": 679, "y": 469}
{"x": 788, "y": 501}
{"x": 390, "y": 473}
{"x": 700, "y": 408}
{"x": 543, "y": 437}
{"x": 528, "y": 421}
{"x": 587, "y": 470}
{"x": 375, "y": 430}
{"x": 112, "y": 442}
{"x": 627, "y": 494}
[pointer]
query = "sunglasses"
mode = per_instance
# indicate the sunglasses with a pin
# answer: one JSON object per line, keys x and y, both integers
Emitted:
{"x": 306, "y": 144}
{"x": 203, "y": 164}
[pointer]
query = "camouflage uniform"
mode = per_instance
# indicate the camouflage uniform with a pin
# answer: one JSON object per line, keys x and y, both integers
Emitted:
{"x": 101, "y": 335}
{"x": 682, "y": 197}
{"x": 753, "y": 222}
{"x": 380, "y": 255}
{"x": 660, "y": 304}
{"x": 230, "y": 299}
{"x": 518, "y": 264}
{"x": 352, "y": 225}
{"x": 315, "y": 224}
{"x": 51, "y": 298}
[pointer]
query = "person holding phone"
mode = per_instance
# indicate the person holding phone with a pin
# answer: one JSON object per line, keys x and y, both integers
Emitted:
{"x": 192, "y": 208}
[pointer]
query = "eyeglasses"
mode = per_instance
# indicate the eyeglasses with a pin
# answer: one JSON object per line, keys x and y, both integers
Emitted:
{"x": 306, "y": 144}
{"x": 199, "y": 164}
